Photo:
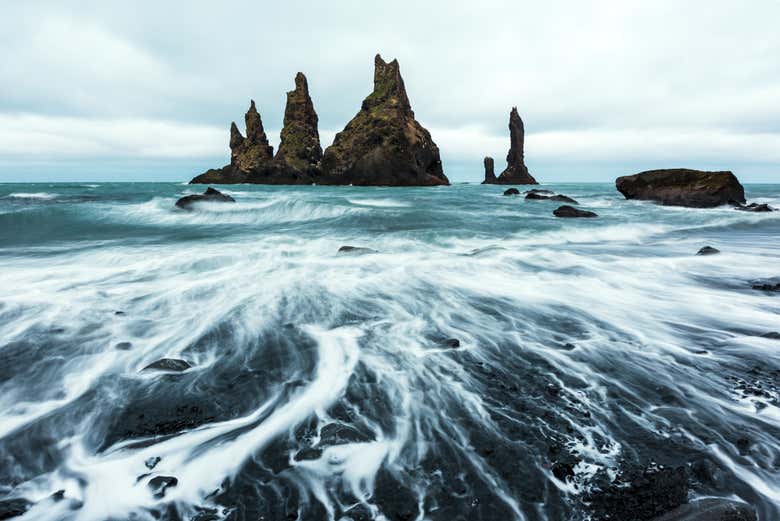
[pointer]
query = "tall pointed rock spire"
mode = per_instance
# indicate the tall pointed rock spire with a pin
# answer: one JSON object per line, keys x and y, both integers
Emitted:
{"x": 299, "y": 146}
{"x": 383, "y": 144}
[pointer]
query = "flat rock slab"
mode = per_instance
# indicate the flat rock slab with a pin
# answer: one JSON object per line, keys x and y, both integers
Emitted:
{"x": 683, "y": 187}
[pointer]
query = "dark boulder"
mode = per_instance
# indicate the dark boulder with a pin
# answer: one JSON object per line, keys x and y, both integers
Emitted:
{"x": 355, "y": 250}
{"x": 708, "y": 250}
{"x": 210, "y": 196}
{"x": 516, "y": 173}
{"x": 754, "y": 207}
{"x": 10, "y": 508}
{"x": 570, "y": 211}
{"x": 711, "y": 509}
{"x": 774, "y": 335}
{"x": 490, "y": 173}
{"x": 451, "y": 342}
{"x": 767, "y": 286}
{"x": 159, "y": 485}
{"x": 384, "y": 145}
{"x": 682, "y": 187}
{"x": 511, "y": 191}
{"x": 538, "y": 196}
{"x": 175, "y": 365}
{"x": 124, "y": 346}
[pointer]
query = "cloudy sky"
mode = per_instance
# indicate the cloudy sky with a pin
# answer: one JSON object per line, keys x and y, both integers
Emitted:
{"x": 146, "y": 90}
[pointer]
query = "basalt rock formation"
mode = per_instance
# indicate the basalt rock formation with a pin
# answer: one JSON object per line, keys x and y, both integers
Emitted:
{"x": 490, "y": 173}
{"x": 384, "y": 144}
{"x": 516, "y": 173}
{"x": 247, "y": 154}
{"x": 299, "y": 147}
{"x": 683, "y": 187}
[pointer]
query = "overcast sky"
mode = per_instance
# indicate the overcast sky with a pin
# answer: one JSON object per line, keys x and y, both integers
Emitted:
{"x": 146, "y": 90}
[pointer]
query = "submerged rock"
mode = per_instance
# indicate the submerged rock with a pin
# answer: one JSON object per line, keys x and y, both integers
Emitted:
{"x": 355, "y": 250}
{"x": 168, "y": 364}
{"x": 774, "y": 335}
{"x": 767, "y": 286}
{"x": 570, "y": 211}
{"x": 490, "y": 173}
{"x": 563, "y": 199}
{"x": 711, "y": 509}
{"x": 682, "y": 187}
{"x": 754, "y": 207}
{"x": 384, "y": 145}
{"x": 451, "y": 342}
{"x": 210, "y": 195}
{"x": 538, "y": 196}
{"x": 708, "y": 250}
{"x": 516, "y": 173}
{"x": 511, "y": 191}
{"x": 124, "y": 346}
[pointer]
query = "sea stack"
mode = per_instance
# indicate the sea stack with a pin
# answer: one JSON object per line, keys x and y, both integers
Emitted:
{"x": 247, "y": 154}
{"x": 516, "y": 173}
{"x": 299, "y": 147}
{"x": 683, "y": 187}
{"x": 383, "y": 145}
{"x": 490, "y": 173}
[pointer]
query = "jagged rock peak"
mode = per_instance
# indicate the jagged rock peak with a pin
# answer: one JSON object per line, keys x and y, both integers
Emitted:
{"x": 490, "y": 173}
{"x": 299, "y": 146}
{"x": 383, "y": 144}
{"x": 252, "y": 151}
{"x": 389, "y": 88}
{"x": 516, "y": 155}
{"x": 516, "y": 172}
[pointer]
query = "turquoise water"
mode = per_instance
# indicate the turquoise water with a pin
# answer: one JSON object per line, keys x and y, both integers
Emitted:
{"x": 322, "y": 385}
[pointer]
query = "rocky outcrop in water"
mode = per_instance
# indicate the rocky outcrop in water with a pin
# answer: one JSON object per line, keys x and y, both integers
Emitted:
{"x": 754, "y": 207}
{"x": 490, "y": 173}
{"x": 516, "y": 173}
{"x": 383, "y": 144}
{"x": 247, "y": 154}
{"x": 570, "y": 211}
{"x": 210, "y": 196}
{"x": 708, "y": 250}
{"x": 511, "y": 191}
{"x": 683, "y": 187}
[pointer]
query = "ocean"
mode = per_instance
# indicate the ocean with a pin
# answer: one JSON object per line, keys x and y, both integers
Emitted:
{"x": 484, "y": 360}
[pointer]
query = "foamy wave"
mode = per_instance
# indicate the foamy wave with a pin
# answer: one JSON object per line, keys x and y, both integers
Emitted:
{"x": 31, "y": 195}
{"x": 379, "y": 203}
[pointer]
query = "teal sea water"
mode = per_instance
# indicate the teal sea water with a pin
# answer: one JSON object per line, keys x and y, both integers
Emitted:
{"x": 329, "y": 386}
